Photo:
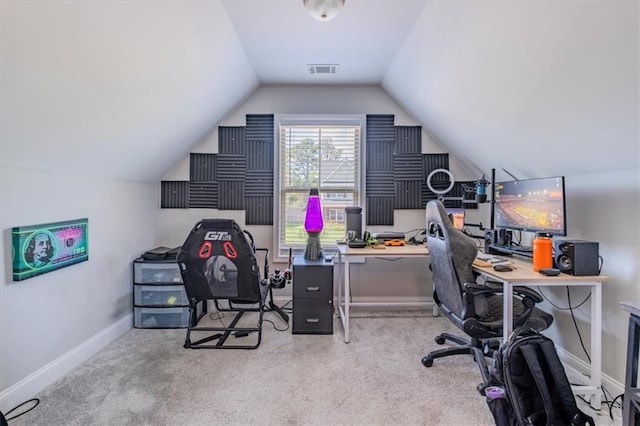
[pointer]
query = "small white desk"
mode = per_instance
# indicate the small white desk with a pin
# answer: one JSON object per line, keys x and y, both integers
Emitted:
{"x": 345, "y": 254}
{"x": 524, "y": 275}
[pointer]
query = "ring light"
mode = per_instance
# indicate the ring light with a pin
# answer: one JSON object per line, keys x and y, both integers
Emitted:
{"x": 451, "y": 181}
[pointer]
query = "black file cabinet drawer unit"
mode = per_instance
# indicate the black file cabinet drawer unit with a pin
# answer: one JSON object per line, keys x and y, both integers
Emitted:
{"x": 312, "y": 296}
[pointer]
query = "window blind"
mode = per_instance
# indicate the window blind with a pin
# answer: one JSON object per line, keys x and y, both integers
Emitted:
{"x": 324, "y": 157}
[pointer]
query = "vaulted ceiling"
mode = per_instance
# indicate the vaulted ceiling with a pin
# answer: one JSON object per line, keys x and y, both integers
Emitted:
{"x": 538, "y": 88}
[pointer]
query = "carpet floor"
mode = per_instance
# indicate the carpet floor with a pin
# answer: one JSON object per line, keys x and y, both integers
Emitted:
{"x": 146, "y": 377}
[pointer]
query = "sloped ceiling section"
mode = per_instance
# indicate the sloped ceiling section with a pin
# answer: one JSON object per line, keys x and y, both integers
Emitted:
{"x": 540, "y": 88}
{"x": 281, "y": 38}
{"x": 115, "y": 89}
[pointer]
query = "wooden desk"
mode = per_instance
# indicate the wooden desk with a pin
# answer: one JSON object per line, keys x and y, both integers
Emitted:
{"x": 524, "y": 275}
{"x": 631, "y": 391}
{"x": 346, "y": 254}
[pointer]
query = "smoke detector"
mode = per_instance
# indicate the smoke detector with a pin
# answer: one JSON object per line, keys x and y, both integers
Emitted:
{"x": 323, "y": 68}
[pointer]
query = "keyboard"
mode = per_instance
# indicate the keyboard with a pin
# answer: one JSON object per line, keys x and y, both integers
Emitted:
{"x": 519, "y": 250}
{"x": 491, "y": 259}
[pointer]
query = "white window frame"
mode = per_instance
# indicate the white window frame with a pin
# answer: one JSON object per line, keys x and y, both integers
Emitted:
{"x": 279, "y": 254}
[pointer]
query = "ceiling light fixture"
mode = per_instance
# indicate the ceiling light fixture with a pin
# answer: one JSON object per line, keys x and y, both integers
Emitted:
{"x": 323, "y": 10}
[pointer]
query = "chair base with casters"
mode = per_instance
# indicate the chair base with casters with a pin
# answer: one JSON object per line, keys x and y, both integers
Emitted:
{"x": 476, "y": 347}
{"x": 218, "y": 262}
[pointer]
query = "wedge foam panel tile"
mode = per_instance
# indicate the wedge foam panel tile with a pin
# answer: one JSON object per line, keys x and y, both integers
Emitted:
{"x": 408, "y": 195}
{"x": 259, "y": 211}
{"x": 231, "y": 167}
{"x": 408, "y": 140}
{"x": 174, "y": 194}
{"x": 203, "y": 195}
{"x": 231, "y": 195}
{"x": 231, "y": 140}
{"x": 202, "y": 167}
{"x": 259, "y": 127}
{"x": 380, "y": 210}
{"x": 380, "y": 127}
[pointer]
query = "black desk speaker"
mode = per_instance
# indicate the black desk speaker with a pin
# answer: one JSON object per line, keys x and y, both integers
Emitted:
{"x": 576, "y": 257}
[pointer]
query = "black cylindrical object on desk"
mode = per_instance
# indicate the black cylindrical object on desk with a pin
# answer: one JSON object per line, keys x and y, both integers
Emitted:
{"x": 354, "y": 220}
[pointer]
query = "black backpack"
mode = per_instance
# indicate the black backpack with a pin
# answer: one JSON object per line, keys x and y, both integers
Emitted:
{"x": 527, "y": 366}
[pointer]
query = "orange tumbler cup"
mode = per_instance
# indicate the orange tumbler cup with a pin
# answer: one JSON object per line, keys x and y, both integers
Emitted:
{"x": 542, "y": 251}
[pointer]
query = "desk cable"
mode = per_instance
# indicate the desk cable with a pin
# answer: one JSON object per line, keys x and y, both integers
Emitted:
{"x": 6, "y": 416}
{"x": 608, "y": 397}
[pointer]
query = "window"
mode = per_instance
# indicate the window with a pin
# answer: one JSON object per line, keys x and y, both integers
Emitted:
{"x": 323, "y": 153}
{"x": 337, "y": 215}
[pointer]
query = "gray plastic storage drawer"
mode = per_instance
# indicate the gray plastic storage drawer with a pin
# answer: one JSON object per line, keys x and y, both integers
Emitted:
{"x": 160, "y": 317}
{"x": 156, "y": 273}
{"x": 156, "y": 295}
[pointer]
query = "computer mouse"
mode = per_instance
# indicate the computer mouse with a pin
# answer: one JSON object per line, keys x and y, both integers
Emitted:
{"x": 502, "y": 268}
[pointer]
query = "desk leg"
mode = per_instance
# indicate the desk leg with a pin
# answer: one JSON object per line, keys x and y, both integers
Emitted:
{"x": 347, "y": 297}
{"x": 340, "y": 295}
{"x": 507, "y": 313}
{"x": 596, "y": 344}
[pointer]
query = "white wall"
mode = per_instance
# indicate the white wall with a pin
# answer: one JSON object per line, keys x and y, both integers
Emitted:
{"x": 604, "y": 207}
{"x": 52, "y": 322}
{"x": 175, "y": 224}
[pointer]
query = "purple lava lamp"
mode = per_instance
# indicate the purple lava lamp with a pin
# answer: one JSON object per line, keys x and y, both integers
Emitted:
{"x": 313, "y": 224}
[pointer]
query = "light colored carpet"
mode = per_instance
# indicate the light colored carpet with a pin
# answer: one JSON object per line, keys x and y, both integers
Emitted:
{"x": 146, "y": 377}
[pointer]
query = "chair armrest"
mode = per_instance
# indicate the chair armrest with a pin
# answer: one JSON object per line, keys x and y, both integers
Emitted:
{"x": 494, "y": 287}
{"x": 477, "y": 289}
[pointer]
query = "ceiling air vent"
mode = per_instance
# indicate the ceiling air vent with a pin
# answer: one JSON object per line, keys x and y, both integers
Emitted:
{"x": 323, "y": 68}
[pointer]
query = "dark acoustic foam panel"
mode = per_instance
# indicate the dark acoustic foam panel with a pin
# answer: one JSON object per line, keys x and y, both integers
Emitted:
{"x": 380, "y": 127}
{"x": 202, "y": 167}
{"x": 231, "y": 167}
{"x": 231, "y": 140}
{"x": 408, "y": 167}
{"x": 203, "y": 195}
{"x": 379, "y": 155}
{"x": 259, "y": 183}
{"x": 380, "y": 210}
{"x": 259, "y": 127}
{"x": 174, "y": 194}
{"x": 379, "y": 184}
{"x": 259, "y": 155}
{"x": 408, "y": 195}
{"x": 259, "y": 211}
{"x": 231, "y": 195}
{"x": 408, "y": 140}
{"x": 436, "y": 161}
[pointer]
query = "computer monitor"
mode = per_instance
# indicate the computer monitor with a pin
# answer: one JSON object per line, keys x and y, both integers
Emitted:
{"x": 457, "y": 217}
{"x": 535, "y": 205}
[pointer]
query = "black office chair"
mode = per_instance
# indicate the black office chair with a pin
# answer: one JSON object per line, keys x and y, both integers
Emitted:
{"x": 475, "y": 309}
{"x": 218, "y": 262}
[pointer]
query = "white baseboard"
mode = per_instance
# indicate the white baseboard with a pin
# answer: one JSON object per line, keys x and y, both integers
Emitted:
{"x": 580, "y": 367}
{"x": 31, "y": 385}
{"x": 394, "y": 303}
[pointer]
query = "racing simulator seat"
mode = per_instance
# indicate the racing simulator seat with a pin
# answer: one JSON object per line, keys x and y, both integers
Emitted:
{"x": 218, "y": 262}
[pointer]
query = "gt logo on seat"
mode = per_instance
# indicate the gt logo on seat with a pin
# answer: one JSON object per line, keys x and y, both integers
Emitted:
{"x": 217, "y": 236}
